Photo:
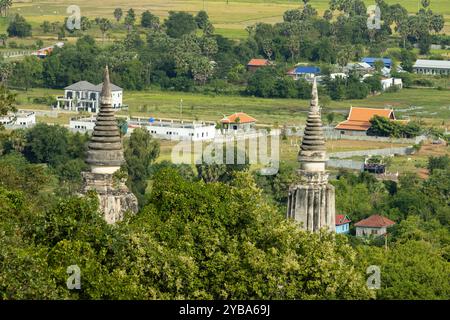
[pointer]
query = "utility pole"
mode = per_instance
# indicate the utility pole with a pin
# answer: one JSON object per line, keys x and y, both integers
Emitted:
{"x": 181, "y": 109}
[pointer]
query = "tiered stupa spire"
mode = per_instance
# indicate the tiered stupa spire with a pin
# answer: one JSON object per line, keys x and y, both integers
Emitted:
{"x": 311, "y": 199}
{"x": 105, "y": 154}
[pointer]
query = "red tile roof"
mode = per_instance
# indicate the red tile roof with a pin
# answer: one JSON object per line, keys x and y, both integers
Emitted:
{"x": 342, "y": 219}
{"x": 243, "y": 118}
{"x": 375, "y": 221}
{"x": 359, "y": 118}
{"x": 258, "y": 62}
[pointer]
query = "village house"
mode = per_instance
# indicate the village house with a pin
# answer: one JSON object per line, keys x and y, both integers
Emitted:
{"x": 371, "y": 61}
{"x": 374, "y": 225}
{"x": 44, "y": 52}
{"x": 342, "y": 224}
{"x": 255, "y": 64}
{"x": 18, "y": 120}
{"x": 85, "y": 96}
{"x": 239, "y": 121}
{"x": 358, "y": 121}
{"x": 387, "y": 83}
{"x": 433, "y": 67}
{"x": 305, "y": 72}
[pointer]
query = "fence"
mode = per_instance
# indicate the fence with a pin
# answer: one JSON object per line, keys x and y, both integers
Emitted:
{"x": 346, "y": 164}
{"x": 374, "y": 152}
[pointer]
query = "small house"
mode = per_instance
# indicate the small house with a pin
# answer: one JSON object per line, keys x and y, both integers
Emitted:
{"x": 255, "y": 64}
{"x": 342, "y": 224}
{"x": 387, "y": 83}
{"x": 374, "y": 225}
{"x": 371, "y": 61}
{"x": 239, "y": 121}
{"x": 305, "y": 72}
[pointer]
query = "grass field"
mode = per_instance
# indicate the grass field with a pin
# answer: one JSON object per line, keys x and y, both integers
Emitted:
{"x": 426, "y": 104}
{"x": 229, "y": 19}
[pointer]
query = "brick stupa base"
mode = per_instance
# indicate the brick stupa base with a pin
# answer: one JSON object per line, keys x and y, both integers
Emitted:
{"x": 114, "y": 197}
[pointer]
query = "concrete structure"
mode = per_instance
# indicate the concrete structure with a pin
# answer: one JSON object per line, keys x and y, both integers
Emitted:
{"x": 358, "y": 121}
{"x": 21, "y": 119}
{"x": 304, "y": 72}
{"x": 375, "y": 225}
{"x": 84, "y": 96}
{"x": 433, "y": 67}
{"x": 311, "y": 200}
{"x": 82, "y": 124}
{"x": 238, "y": 122}
{"x": 176, "y": 129}
{"x": 255, "y": 64}
{"x": 386, "y": 83}
{"x": 342, "y": 224}
{"x": 105, "y": 156}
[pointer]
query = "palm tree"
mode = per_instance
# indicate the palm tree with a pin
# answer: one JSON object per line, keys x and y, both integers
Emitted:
{"x": 104, "y": 25}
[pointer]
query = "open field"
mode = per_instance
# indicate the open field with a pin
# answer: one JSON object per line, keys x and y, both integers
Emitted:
{"x": 430, "y": 105}
{"x": 229, "y": 19}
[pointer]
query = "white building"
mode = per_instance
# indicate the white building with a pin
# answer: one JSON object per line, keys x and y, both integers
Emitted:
{"x": 21, "y": 119}
{"x": 433, "y": 67}
{"x": 82, "y": 124}
{"x": 386, "y": 83}
{"x": 176, "y": 129}
{"x": 85, "y": 96}
{"x": 159, "y": 128}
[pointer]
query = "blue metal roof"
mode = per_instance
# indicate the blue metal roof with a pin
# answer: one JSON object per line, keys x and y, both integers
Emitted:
{"x": 387, "y": 62}
{"x": 301, "y": 70}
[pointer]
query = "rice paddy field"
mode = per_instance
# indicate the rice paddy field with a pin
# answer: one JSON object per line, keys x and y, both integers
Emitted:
{"x": 230, "y": 17}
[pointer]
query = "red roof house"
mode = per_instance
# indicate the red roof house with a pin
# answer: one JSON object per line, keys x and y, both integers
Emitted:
{"x": 374, "y": 225}
{"x": 342, "y": 223}
{"x": 358, "y": 121}
{"x": 255, "y": 64}
{"x": 238, "y": 121}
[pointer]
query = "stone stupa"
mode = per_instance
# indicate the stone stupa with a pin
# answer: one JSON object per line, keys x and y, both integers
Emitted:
{"x": 311, "y": 199}
{"x": 105, "y": 157}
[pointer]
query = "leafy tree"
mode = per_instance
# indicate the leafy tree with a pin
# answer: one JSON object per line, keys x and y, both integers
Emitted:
{"x": 202, "y": 19}
{"x": 19, "y": 27}
{"x": 442, "y": 163}
{"x": 104, "y": 25}
{"x": 130, "y": 19}
{"x": 118, "y": 13}
{"x": 28, "y": 73}
{"x": 7, "y": 101}
{"x": 140, "y": 151}
{"x": 148, "y": 20}
{"x": 179, "y": 24}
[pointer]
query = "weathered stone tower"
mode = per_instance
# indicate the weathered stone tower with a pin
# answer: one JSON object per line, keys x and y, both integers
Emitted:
{"x": 105, "y": 156}
{"x": 311, "y": 200}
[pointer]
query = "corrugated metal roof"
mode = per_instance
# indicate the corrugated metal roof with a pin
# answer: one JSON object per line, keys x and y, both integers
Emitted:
{"x": 439, "y": 64}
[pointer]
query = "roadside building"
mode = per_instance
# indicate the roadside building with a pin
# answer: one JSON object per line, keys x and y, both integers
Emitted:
{"x": 432, "y": 67}
{"x": 239, "y": 121}
{"x": 374, "y": 225}
{"x": 342, "y": 224}
{"x": 255, "y": 64}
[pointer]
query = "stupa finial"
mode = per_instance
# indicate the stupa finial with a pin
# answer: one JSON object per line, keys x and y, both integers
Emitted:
{"x": 106, "y": 94}
{"x": 314, "y": 97}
